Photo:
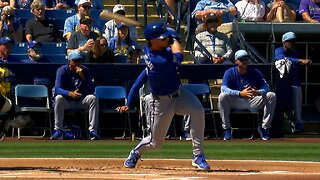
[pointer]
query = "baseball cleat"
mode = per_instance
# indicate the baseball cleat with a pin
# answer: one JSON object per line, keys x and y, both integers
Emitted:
{"x": 264, "y": 133}
{"x": 227, "y": 134}
{"x": 200, "y": 162}
{"x": 132, "y": 159}
{"x": 298, "y": 127}
{"x": 94, "y": 135}
{"x": 57, "y": 134}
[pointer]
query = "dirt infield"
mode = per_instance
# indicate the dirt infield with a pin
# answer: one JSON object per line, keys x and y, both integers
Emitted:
{"x": 154, "y": 169}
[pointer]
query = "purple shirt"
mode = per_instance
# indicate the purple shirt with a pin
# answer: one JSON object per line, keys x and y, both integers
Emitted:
{"x": 310, "y": 7}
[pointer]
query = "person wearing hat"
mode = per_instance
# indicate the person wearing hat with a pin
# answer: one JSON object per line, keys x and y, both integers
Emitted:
{"x": 163, "y": 56}
{"x": 225, "y": 10}
{"x": 9, "y": 25}
{"x": 123, "y": 45}
{"x": 74, "y": 89}
{"x": 35, "y": 54}
{"x": 72, "y": 23}
{"x": 96, "y": 4}
{"x": 41, "y": 29}
{"x": 84, "y": 39}
{"x": 217, "y": 43}
{"x": 288, "y": 53}
{"x": 244, "y": 87}
{"x": 111, "y": 27}
{"x": 5, "y": 50}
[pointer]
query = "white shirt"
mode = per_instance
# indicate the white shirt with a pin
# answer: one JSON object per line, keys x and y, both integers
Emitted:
{"x": 249, "y": 11}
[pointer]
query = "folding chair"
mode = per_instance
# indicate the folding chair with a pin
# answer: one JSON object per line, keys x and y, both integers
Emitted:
{"x": 143, "y": 91}
{"x": 204, "y": 91}
{"x": 255, "y": 114}
{"x": 33, "y": 98}
{"x": 110, "y": 97}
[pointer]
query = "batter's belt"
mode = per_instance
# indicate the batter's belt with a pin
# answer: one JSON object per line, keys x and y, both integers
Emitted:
{"x": 171, "y": 96}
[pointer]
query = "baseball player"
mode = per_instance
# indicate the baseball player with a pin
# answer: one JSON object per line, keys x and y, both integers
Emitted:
{"x": 162, "y": 56}
{"x": 288, "y": 53}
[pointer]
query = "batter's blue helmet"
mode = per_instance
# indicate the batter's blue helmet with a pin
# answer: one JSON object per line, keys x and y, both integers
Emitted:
{"x": 156, "y": 31}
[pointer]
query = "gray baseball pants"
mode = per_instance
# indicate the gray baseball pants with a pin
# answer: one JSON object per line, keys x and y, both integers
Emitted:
{"x": 266, "y": 102}
{"x": 163, "y": 108}
{"x": 89, "y": 102}
{"x": 297, "y": 103}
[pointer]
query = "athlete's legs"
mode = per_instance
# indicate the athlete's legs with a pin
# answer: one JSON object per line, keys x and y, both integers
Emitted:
{"x": 268, "y": 103}
{"x": 188, "y": 103}
{"x": 227, "y": 102}
{"x": 162, "y": 110}
{"x": 297, "y": 103}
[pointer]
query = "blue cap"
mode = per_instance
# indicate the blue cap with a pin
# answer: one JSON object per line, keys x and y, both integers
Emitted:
{"x": 34, "y": 45}
{"x": 75, "y": 56}
{"x": 5, "y": 40}
{"x": 156, "y": 31}
{"x": 288, "y": 36}
{"x": 240, "y": 54}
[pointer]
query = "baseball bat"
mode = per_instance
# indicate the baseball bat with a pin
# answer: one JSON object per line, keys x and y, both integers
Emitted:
{"x": 125, "y": 20}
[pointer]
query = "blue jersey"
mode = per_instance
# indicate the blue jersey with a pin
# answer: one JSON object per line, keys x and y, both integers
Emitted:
{"x": 292, "y": 56}
{"x": 233, "y": 82}
{"x": 69, "y": 81}
{"x": 161, "y": 72}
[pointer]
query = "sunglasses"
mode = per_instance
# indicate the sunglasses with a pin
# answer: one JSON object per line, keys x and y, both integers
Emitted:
{"x": 86, "y": 7}
{"x": 103, "y": 45}
{"x": 244, "y": 59}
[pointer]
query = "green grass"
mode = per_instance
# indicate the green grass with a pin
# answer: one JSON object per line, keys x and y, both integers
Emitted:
{"x": 216, "y": 150}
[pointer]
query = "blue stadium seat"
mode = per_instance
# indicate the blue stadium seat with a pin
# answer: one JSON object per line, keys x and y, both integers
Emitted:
{"x": 56, "y": 59}
{"x": 59, "y": 14}
{"x": 54, "y": 48}
{"x": 23, "y": 15}
{"x": 19, "y": 48}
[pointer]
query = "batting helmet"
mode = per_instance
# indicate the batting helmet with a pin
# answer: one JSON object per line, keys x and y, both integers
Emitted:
{"x": 156, "y": 31}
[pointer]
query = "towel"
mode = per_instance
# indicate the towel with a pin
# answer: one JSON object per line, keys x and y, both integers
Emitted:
{"x": 283, "y": 66}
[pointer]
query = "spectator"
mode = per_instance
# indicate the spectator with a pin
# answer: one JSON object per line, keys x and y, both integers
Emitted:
{"x": 310, "y": 10}
{"x": 288, "y": 53}
{"x": 41, "y": 29}
{"x": 34, "y": 53}
{"x": 5, "y": 50}
{"x": 101, "y": 52}
{"x": 96, "y": 4}
{"x": 21, "y": 4}
{"x": 251, "y": 10}
{"x": 72, "y": 23}
{"x": 74, "y": 89}
{"x": 215, "y": 42}
{"x": 111, "y": 26}
{"x": 9, "y": 25}
{"x": 224, "y": 9}
{"x": 122, "y": 44}
{"x": 59, "y": 4}
{"x": 244, "y": 87}
{"x": 4, "y": 3}
{"x": 280, "y": 11}
{"x": 83, "y": 40}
